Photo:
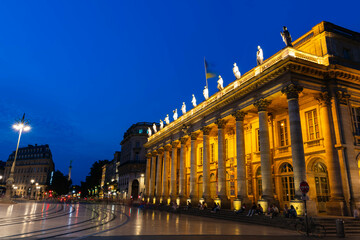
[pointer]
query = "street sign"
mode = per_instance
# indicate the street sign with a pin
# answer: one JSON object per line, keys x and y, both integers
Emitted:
{"x": 304, "y": 187}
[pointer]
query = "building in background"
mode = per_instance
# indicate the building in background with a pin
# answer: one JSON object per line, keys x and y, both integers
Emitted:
{"x": 132, "y": 161}
{"x": 293, "y": 117}
{"x": 2, "y": 172}
{"x": 32, "y": 175}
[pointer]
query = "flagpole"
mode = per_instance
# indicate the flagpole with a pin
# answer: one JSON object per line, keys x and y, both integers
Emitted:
{"x": 205, "y": 73}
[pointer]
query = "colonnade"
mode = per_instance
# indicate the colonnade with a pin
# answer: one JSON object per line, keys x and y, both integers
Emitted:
{"x": 162, "y": 156}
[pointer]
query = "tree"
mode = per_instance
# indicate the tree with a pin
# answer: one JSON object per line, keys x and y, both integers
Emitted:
{"x": 60, "y": 184}
{"x": 94, "y": 177}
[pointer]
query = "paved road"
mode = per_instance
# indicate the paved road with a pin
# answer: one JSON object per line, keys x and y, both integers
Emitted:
{"x": 96, "y": 221}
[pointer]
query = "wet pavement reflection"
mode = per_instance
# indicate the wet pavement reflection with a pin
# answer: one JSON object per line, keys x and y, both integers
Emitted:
{"x": 95, "y": 221}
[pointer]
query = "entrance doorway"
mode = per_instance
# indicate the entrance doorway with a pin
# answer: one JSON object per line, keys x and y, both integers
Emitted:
{"x": 322, "y": 185}
{"x": 135, "y": 189}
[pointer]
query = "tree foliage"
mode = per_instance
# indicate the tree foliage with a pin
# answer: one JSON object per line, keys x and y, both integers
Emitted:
{"x": 60, "y": 184}
{"x": 94, "y": 177}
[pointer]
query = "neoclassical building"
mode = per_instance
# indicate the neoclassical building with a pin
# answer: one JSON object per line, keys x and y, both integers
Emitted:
{"x": 294, "y": 118}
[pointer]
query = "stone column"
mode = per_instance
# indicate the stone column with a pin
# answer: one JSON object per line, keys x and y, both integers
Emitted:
{"x": 206, "y": 164}
{"x": 266, "y": 177}
{"x": 240, "y": 160}
{"x": 221, "y": 163}
{"x": 159, "y": 174}
{"x": 348, "y": 150}
{"x": 173, "y": 192}
{"x": 182, "y": 174}
{"x": 193, "y": 186}
{"x": 165, "y": 183}
{"x": 147, "y": 175}
{"x": 152, "y": 177}
{"x": 297, "y": 145}
{"x": 336, "y": 203}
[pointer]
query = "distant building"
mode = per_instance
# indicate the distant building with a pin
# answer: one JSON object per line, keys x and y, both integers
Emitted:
{"x": 32, "y": 163}
{"x": 132, "y": 161}
{"x": 2, "y": 171}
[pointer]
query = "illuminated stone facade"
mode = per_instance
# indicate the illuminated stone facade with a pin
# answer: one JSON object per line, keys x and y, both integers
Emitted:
{"x": 296, "y": 117}
{"x": 32, "y": 163}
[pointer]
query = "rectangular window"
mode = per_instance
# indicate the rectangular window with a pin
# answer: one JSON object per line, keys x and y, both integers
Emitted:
{"x": 283, "y": 134}
{"x": 226, "y": 149}
{"x": 201, "y": 156}
{"x": 356, "y": 117}
{"x": 137, "y": 157}
{"x": 212, "y": 153}
{"x": 312, "y": 125}
{"x": 257, "y": 135}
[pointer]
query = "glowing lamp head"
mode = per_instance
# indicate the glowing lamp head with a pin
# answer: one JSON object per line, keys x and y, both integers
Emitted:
{"x": 27, "y": 128}
{"x": 32, "y": 181}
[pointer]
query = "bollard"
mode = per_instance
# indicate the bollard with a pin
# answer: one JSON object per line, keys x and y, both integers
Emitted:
{"x": 340, "y": 228}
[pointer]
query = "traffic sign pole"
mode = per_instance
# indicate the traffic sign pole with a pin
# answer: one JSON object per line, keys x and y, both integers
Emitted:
{"x": 304, "y": 187}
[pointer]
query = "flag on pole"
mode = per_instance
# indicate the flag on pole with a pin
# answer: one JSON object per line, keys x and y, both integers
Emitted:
{"x": 209, "y": 73}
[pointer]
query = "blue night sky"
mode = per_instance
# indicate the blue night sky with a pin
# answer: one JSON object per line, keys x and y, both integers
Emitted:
{"x": 84, "y": 71}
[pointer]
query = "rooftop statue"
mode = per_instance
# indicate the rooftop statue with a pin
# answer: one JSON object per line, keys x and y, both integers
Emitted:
{"x": 286, "y": 37}
{"x": 161, "y": 124}
{"x": 259, "y": 56}
{"x": 220, "y": 83}
{"x": 167, "y": 120}
{"x": 206, "y": 93}
{"x": 193, "y": 100}
{"x": 154, "y": 127}
{"x": 183, "y": 108}
{"x": 149, "y": 131}
{"x": 175, "y": 116}
{"x": 236, "y": 71}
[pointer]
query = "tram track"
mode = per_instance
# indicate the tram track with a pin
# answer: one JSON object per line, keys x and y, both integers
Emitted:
{"x": 32, "y": 214}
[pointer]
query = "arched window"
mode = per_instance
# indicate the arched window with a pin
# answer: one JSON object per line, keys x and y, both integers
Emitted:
{"x": 213, "y": 190}
{"x": 322, "y": 185}
{"x": 200, "y": 186}
{"x": 258, "y": 182}
{"x": 287, "y": 182}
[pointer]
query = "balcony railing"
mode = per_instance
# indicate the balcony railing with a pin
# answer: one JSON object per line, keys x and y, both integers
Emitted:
{"x": 281, "y": 55}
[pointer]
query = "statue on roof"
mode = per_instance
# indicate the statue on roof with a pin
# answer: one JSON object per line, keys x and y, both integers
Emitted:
{"x": 220, "y": 83}
{"x": 149, "y": 131}
{"x": 183, "y": 108}
{"x": 236, "y": 71}
{"x": 161, "y": 124}
{"x": 286, "y": 37}
{"x": 175, "y": 116}
{"x": 154, "y": 127}
{"x": 259, "y": 56}
{"x": 167, "y": 120}
{"x": 206, "y": 93}
{"x": 193, "y": 100}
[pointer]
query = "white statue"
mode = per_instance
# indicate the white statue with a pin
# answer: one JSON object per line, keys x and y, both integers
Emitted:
{"x": 183, "y": 108}
{"x": 161, "y": 124}
{"x": 206, "y": 93}
{"x": 259, "y": 56}
{"x": 220, "y": 83}
{"x": 167, "y": 120}
{"x": 175, "y": 116}
{"x": 149, "y": 131}
{"x": 193, "y": 101}
{"x": 236, "y": 71}
{"x": 154, "y": 127}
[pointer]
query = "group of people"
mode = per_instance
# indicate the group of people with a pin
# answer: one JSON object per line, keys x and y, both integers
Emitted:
{"x": 272, "y": 211}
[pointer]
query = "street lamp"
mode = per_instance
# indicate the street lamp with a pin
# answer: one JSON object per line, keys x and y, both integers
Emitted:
{"x": 21, "y": 126}
{"x": 37, "y": 188}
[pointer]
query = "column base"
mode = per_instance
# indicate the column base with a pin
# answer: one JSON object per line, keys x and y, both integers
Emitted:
{"x": 181, "y": 201}
{"x": 194, "y": 201}
{"x": 299, "y": 206}
{"x": 223, "y": 201}
{"x": 238, "y": 202}
{"x": 336, "y": 207}
{"x": 207, "y": 199}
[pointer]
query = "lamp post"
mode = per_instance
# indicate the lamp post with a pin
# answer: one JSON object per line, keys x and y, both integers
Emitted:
{"x": 21, "y": 126}
{"x": 31, "y": 188}
{"x": 37, "y": 188}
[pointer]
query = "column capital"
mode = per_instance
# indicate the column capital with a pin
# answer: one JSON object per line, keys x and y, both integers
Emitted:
{"x": 262, "y": 104}
{"x": 292, "y": 91}
{"x": 239, "y": 115}
{"x": 220, "y": 123}
{"x": 184, "y": 139}
{"x": 175, "y": 143}
{"x": 148, "y": 155}
{"x": 324, "y": 98}
{"x": 194, "y": 135}
{"x": 342, "y": 97}
{"x": 167, "y": 147}
{"x": 154, "y": 153}
{"x": 206, "y": 130}
{"x": 160, "y": 150}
